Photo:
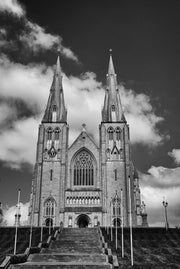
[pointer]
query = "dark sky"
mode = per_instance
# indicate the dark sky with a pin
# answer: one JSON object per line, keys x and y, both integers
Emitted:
{"x": 145, "y": 39}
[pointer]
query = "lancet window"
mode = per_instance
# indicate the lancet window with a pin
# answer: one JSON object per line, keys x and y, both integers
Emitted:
{"x": 83, "y": 169}
{"x": 56, "y": 137}
{"x": 49, "y": 133}
{"x": 49, "y": 207}
{"x": 116, "y": 207}
{"x": 110, "y": 132}
{"x": 49, "y": 137}
{"x": 118, "y": 133}
{"x": 57, "y": 131}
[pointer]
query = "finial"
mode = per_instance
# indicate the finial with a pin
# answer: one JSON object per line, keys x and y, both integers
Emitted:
{"x": 58, "y": 51}
{"x": 83, "y": 127}
{"x": 110, "y": 51}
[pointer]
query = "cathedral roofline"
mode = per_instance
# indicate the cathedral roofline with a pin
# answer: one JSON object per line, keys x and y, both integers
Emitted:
{"x": 78, "y": 137}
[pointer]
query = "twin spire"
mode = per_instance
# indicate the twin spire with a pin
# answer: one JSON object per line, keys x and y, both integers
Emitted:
{"x": 112, "y": 110}
{"x": 56, "y": 111}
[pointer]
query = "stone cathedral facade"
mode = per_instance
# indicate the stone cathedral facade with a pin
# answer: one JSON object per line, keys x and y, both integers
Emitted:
{"x": 85, "y": 184}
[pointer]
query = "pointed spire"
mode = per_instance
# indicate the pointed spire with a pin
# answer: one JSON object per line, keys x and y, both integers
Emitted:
{"x": 112, "y": 110}
{"x": 111, "y": 70}
{"x": 55, "y": 109}
{"x": 58, "y": 66}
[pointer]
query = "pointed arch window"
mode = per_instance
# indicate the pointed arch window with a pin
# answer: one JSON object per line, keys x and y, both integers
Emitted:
{"x": 49, "y": 207}
{"x": 116, "y": 207}
{"x": 83, "y": 169}
{"x": 110, "y": 133}
{"x": 57, "y": 131}
{"x": 49, "y": 137}
{"x": 118, "y": 134}
{"x": 56, "y": 137}
{"x": 49, "y": 133}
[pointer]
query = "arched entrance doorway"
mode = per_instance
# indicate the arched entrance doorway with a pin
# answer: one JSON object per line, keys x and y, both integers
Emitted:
{"x": 118, "y": 221}
{"x": 49, "y": 222}
{"x": 83, "y": 221}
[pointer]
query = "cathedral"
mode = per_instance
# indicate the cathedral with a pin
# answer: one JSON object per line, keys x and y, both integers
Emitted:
{"x": 85, "y": 184}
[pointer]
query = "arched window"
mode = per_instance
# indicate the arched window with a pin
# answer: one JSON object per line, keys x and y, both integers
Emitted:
{"x": 83, "y": 169}
{"x": 49, "y": 137}
{"x": 56, "y": 137}
{"x": 49, "y": 133}
{"x": 49, "y": 207}
{"x": 118, "y": 134}
{"x": 116, "y": 203}
{"x": 57, "y": 131}
{"x": 110, "y": 132}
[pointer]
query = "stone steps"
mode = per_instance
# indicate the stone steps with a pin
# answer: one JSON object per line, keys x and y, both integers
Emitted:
{"x": 65, "y": 249}
{"x": 74, "y": 248}
{"x": 61, "y": 265}
{"x": 68, "y": 257}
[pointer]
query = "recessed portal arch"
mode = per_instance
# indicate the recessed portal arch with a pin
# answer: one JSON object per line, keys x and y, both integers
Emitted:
{"x": 83, "y": 221}
{"x": 49, "y": 222}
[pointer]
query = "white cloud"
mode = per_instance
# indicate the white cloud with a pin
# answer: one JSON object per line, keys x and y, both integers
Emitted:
{"x": 68, "y": 53}
{"x": 33, "y": 36}
{"x": 6, "y": 113}
{"x": 141, "y": 118}
{"x": 160, "y": 183}
{"x": 12, "y": 6}
{"x": 162, "y": 177}
{"x": 36, "y": 38}
{"x": 84, "y": 97}
{"x": 18, "y": 143}
{"x": 9, "y": 214}
{"x": 29, "y": 83}
{"x": 175, "y": 154}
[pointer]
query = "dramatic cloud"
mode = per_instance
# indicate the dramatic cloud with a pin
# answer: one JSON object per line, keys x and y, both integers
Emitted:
{"x": 84, "y": 97}
{"x": 18, "y": 143}
{"x": 175, "y": 154}
{"x": 161, "y": 183}
{"x": 6, "y": 113}
{"x": 30, "y": 35}
{"x": 29, "y": 83}
{"x": 9, "y": 214}
{"x": 36, "y": 38}
{"x": 141, "y": 118}
{"x": 12, "y": 6}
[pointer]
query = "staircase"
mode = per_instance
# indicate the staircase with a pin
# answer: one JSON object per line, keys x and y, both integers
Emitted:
{"x": 74, "y": 248}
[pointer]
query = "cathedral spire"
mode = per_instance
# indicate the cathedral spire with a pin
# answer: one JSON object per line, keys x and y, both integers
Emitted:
{"x": 55, "y": 109}
{"x": 112, "y": 110}
{"x": 111, "y": 70}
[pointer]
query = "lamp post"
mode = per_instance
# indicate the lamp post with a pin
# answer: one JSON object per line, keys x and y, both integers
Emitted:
{"x": 17, "y": 222}
{"x": 116, "y": 208}
{"x": 111, "y": 219}
{"x": 165, "y": 204}
{"x": 122, "y": 224}
{"x": 130, "y": 222}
